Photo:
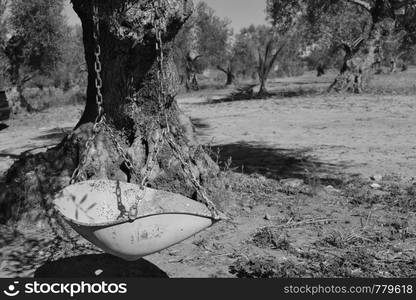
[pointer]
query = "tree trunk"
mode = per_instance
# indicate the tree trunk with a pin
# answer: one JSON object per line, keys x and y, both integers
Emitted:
{"x": 132, "y": 109}
{"x": 194, "y": 82}
{"x": 320, "y": 70}
{"x": 191, "y": 83}
{"x": 230, "y": 78}
{"x": 229, "y": 74}
{"x": 21, "y": 98}
{"x": 359, "y": 65}
{"x": 262, "y": 91}
{"x": 393, "y": 65}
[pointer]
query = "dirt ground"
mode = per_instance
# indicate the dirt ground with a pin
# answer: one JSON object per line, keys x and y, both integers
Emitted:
{"x": 332, "y": 221}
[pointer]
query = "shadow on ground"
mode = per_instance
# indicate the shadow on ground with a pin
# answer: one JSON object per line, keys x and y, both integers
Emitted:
{"x": 3, "y": 126}
{"x": 86, "y": 266}
{"x": 199, "y": 123}
{"x": 276, "y": 163}
{"x": 246, "y": 93}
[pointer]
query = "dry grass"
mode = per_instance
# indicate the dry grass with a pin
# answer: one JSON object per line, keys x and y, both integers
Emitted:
{"x": 401, "y": 83}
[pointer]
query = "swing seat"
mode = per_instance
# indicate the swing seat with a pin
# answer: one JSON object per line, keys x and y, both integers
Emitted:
{"x": 161, "y": 220}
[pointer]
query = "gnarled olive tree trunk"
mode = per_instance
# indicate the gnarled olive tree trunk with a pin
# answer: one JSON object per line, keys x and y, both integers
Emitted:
{"x": 359, "y": 63}
{"x": 130, "y": 91}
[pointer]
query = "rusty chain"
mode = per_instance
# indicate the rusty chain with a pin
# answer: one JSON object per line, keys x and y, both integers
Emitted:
{"x": 162, "y": 101}
{"x": 78, "y": 173}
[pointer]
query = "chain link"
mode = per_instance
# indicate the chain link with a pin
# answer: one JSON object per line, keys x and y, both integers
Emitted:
{"x": 188, "y": 170}
{"x": 79, "y": 172}
{"x": 162, "y": 103}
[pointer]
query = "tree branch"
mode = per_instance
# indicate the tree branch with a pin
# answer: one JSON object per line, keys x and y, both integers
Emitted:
{"x": 221, "y": 69}
{"x": 401, "y": 4}
{"x": 274, "y": 58}
{"x": 27, "y": 78}
{"x": 364, "y": 4}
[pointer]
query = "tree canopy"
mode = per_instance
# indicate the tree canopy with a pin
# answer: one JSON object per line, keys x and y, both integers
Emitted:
{"x": 203, "y": 42}
{"x": 37, "y": 30}
{"x": 363, "y": 29}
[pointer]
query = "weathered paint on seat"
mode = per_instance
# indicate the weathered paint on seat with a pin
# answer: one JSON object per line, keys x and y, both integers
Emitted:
{"x": 163, "y": 219}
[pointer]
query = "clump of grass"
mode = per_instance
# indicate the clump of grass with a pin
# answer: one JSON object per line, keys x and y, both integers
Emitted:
{"x": 342, "y": 240}
{"x": 266, "y": 267}
{"x": 268, "y": 238}
{"x": 358, "y": 262}
{"x": 392, "y": 193}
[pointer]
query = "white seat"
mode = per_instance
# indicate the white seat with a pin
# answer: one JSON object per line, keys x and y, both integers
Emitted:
{"x": 162, "y": 219}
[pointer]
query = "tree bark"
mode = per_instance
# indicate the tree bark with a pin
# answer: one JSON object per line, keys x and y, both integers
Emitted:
{"x": 229, "y": 73}
{"x": 230, "y": 78}
{"x": 262, "y": 91}
{"x": 132, "y": 110}
{"x": 359, "y": 65}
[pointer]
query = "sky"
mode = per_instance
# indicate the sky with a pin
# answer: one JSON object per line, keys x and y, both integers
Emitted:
{"x": 241, "y": 13}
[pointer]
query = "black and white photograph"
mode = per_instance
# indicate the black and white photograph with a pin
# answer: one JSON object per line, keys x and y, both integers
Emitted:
{"x": 245, "y": 139}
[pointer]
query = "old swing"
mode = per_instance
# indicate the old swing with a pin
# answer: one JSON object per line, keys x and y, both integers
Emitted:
{"x": 128, "y": 220}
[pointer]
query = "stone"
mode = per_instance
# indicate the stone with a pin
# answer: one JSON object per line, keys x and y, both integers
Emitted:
{"x": 356, "y": 272}
{"x": 376, "y": 186}
{"x": 293, "y": 183}
{"x": 247, "y": 209}
{"x": 331, "y": 190}
{"x": 377, "y": 178}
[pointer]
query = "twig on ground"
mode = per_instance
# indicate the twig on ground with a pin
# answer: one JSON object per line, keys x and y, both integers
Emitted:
{"x": 291, "y": 224}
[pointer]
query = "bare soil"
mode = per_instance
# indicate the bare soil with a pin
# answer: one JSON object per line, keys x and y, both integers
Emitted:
{"x": 333, "y": 221}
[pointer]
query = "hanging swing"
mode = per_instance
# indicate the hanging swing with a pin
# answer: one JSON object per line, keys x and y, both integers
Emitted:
{"x": 128, "y": 220}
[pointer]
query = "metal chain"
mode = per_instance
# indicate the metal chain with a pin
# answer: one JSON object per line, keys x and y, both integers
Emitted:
{"x": 149, "y": 168}
{"x": 77, "y": 174}
{"x": 187, "y": 168}
{"x": 162, "y": 101}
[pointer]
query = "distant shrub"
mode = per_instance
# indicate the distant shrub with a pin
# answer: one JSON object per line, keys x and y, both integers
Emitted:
{"x": 42, "y": 99}
{"x": 291, "y": 68}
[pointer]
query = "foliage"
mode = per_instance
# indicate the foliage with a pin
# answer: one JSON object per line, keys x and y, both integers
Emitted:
{"x": 283, "y": 14}
{"x": 260, "y": 45}
{"x": 3, "y": 36}
{"x": 39, "y": 49}
{"x": 71, "y": 70}
{"x": 213, "y": 36}
{"x": 37, "y": 31}
{"x": 204, "y": 41}
{"x": 334, "y": 25}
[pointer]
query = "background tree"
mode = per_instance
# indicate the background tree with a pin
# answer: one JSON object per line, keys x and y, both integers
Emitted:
{"x": 243, "y": 56}
{"x": 329, "y": 36}
{"x": 3, "y": 38}
{"x": 71, "y": 69}
{"x": 264, "y": 46}
{"x": 203, "y": 43}
{"x": 186, "y": 54}
{"x": 289, "y": 61}
{"x": 35, "y": 47}
{"x": 362, "y": 53}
